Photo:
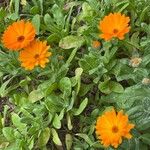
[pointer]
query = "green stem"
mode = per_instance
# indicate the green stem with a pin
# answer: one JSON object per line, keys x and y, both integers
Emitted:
{"x": 10, "y": 5}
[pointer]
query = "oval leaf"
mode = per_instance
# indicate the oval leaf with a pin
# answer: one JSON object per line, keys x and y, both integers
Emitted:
{"x": 71, "y": 42}
{"x": 65, "y": 85}
{"x": 35, "y": 96}
{"x": 56, "y": 139}
{"x": 36, "y": 23}
{"x": 57, "y": 122}
{"x": 68, "y": 141}
{"x": 44, "y": 137}
{"x": 81, "y": 107}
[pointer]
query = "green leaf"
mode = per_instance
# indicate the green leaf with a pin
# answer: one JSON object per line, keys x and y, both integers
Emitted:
{"x": 110, "y": 86}
{"x": 24, "y": 82}
{"x": 50, "y": 88}
{"x": 116, "y": 87}
{"x": 71, "y": 42}
{"x": 31, "y": 143}
{"x": 8, "y": 133}
{"x": 142, "y": 116}
{"x": 85, "y": 88}
{"x": 57, "y": 122}
{"x": 34, "y": 10}
{"x": 78, "y": 72}
{"x": 85, "y": 137}
{"x": 17, "y": 7}
{"x": 65, "y": 86}
{"x": 16, "y": 120}
{"x": 90, "y": 63}
{"x": 86, "y": 11}
{"x": 77, "y": 79}
{"x": 44, "y": 137}
{"x": 13, "y": 16}
{"x": 82, "y": 29}
{"x": 58, "y": 15}
{"x": 35, "y": 95}
{"x": 47, "y": 19}
{"x": 68, "y": 141}
{"x": 36, "y": 23}
{"x": 104, "y": 87}
{"x": 53, "y": 38}
{"x": 124, "y": 7}
{"x": 3, "y": 89}
{"x": 2, "y": 13}
{"x": 41, "y": 6}
{"x": 56, "y": 139}
{"x": 53, "y": 103}
{"x": 126, "y": 99}
{"x": 69, "y": 124}
{"x": 72, "y": 101}
{"x": 72, "y": 55}
{"x": 81, "y": 107}
{"x": 143, "y": 13}
{"x": 145, "y": 138}
{"x": 135, "y": 38}
{"x": 1, "y": 121}
{"x": 61, "y": 115}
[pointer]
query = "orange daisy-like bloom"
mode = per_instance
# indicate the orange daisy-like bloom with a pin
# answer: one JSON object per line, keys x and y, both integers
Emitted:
{"x": 114, "y": 25}
{"x": 111, "y": 127}
{"x": 35, "y": 54}
{"x": 96, "y": 44}
{"x": 18, "y": 35}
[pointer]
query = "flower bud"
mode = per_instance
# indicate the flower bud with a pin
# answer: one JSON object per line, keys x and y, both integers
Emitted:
{"x": 96, "y": 44}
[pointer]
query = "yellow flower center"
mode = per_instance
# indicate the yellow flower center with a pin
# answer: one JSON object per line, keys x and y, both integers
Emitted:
{"x": 115, "y": 129}
{"x": 115, "y": 31}
{"x": 36, "y": 56}
{"x": 20, "y": 38}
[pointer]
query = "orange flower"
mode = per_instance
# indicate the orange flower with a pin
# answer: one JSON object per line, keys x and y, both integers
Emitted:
{"x": 114, "y": 25}
{"x": 111, "y": 127}
{"x": 35, "y": 54}
{"x": 96, "y": 44}
{"x": 18, "y": 35}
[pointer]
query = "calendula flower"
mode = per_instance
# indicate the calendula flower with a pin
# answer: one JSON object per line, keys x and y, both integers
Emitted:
{"x": 135, "y": 62}
{"x": 35, "y": 54}
{"x": 114, "y": 25}
{"x": 96, "y": 44}
{"x": 18, "y": 35}
{"x": 111, "y": 127}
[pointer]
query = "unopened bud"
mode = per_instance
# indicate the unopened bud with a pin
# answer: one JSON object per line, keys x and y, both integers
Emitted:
{"x": 96, "y": 44}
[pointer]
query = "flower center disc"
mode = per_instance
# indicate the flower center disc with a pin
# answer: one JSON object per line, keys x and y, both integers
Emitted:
{"x": 115, "y": 31}
{"x": 115, "y": 129}
{"x": 36, "y": 56}
{"x": 20, "y": 39}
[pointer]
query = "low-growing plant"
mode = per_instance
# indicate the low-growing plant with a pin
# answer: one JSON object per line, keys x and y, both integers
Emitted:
{"x": 74, "y": 75}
